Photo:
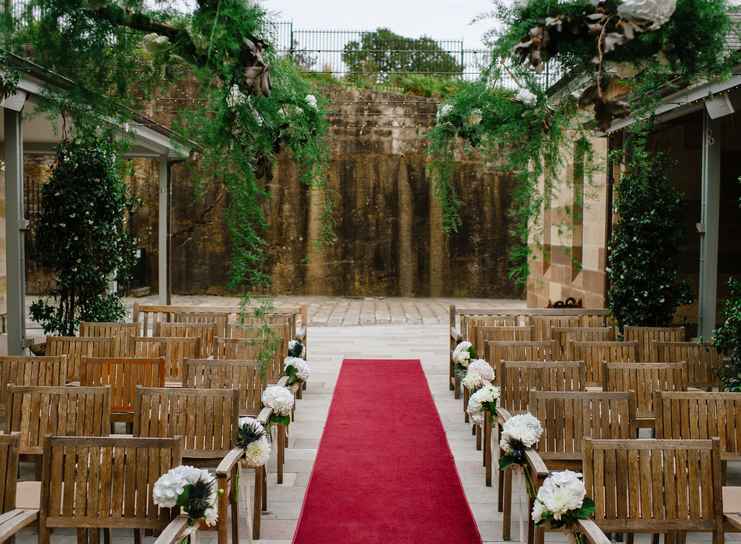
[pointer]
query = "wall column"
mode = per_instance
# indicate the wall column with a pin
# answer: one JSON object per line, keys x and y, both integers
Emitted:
{"x": 15, "y": 226}
{"x": 710, "y": 218}
{"x": 407, "y": 261}
{"x": 164, "y": 232}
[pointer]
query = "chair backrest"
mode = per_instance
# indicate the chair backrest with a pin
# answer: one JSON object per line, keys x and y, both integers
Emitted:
{"x": 228, "y": 374}
{"x": 488, "y": 333}
{"x": 30, "y": 371}
{"x": 563, "y": 337}
{"x": 8, "y": 470}
{"x": 518, "y": 378}
{"x": 595, "y": 353}
{"x": 267, "y": 352}
{"x": 36, "y": 412}
{"x": 646, "y": 336}
{"x": 174, "y": 350}
{"x": 220, "y": 319}
{"x": 207, "y": 419}
{"x": 120, "y": 332}
{"x": 654, "y": 486}
{"x": 471, "y": 323}
{"x": 703, "y": 361}
{"x": 644, "y": 379}
{"x": 123, "y": 374}
{"x": 206, "y": 332}
{"x": 544, "y": 323}
{"x": 697, "y": 415}
{"x": 280, "y": 329}
{"x": 535, "y": 350}
{"x": 568, "y": 417}
{"x": 75, "y": 348}
{"x": 105, "y": 481}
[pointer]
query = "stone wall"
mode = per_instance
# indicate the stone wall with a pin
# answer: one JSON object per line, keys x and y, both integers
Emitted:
{"x": 390, "y": 239}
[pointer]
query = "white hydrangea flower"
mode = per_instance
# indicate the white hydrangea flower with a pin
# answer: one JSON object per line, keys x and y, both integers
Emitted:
{"x": 443, "y": 111}
{"x": 461, "y": 355}
{"x": 472, "y": 380}
{"x": 482, "y": 368}
{"x": 257, "y": 453}
{"x": 279, "y": 399}
{"x": 523, "y": 428}
{"x": 171, "y": 485}
{"x": 657, "y": 12}
{"x": 254, "y": 423}
{"x": 561, "y": 493}
{"x": 488, "y": 394}
{"x": 312, "y": 101}
{"x": 235, "y": 97}
{"x": 303, "y": 370}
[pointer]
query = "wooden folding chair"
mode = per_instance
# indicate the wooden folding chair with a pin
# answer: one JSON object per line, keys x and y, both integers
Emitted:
{"x": 12, "y": 518}
{"x": 38, "y": 411}
{"x": 94, "y": 483}
{"x": 644, "y": 380}
{"x": 703, "y": 361}
{"x": 487, "y": 333}
{"x": 122, "y": 333}
{"x": 563, "y": 336}
{"x": 568, "y": 417}
{"x": 595, "y": 353}
{"x": 655, "y": 486}
{"x": 537, "y": 350}
{"x": 123, "y": 374}
{"x": 646, "y": 336}
{"x": 220, "y": 319}
{"x": 205, "y": 332}
{"x": 544, "y": 323}
{"x": 208, "y": 421}
{"x": 30, "y": 371}
{"x": 75, "y": 348}
{"x": 175, "y": 350}
{"x": 266, "y": 351}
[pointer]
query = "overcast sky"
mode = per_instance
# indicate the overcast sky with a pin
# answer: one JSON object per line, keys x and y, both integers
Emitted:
{"x": 439, "y": 19}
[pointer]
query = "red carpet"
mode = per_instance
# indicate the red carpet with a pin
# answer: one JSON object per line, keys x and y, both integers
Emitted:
{"x": 384, "y": 472}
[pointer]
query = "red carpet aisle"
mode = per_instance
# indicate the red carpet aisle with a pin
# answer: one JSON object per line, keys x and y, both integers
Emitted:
{"x": 384, "y": 472}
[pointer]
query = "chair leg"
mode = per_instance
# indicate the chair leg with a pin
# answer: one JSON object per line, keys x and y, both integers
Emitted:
{"x": 451, "y": 375}
{"x": 257, "y": 506}
{"x": 507, "y": 506}
{"x": 43, "y": 532}
{"x": 82, "y": 536}
{"x": 107, "y": 536}
{"x": 500, "y": 494}
{"x": 487, "y": 449}
{"x": 281, "y": 451}
{"x": 466, "y": 395}
{"x": 478, "y": 437}
{"x": 457, "y": 390}
{"x": 137, "y": 536}
{"x": 264, "y": 487}
{"x": 223, "y": 509}
{"x": 234, "y": 504}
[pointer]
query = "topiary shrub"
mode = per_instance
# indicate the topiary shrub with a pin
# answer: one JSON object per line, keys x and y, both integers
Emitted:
{"x": 727, "y": 338}
{"x": 82, "y": 237}
{"x": 643, "y": 269}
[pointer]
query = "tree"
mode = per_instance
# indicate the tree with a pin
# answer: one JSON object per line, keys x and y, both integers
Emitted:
{"x": 82, "y": 237}
{"x": 383, "y": 53}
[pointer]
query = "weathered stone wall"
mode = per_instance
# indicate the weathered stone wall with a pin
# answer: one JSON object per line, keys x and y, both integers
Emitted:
{"x": 390, "y": 238}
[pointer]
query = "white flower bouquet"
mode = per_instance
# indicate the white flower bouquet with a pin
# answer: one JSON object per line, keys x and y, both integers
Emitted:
{"x": 296, "y": 369}
{"x": 463, "y": 354}
{"x": 252, "y": 439}
{"x": 478, "y": 374}
{"x": 561, "y": 501}
{"x": 482, "y": 401}
{"x": 295, "y": 348}
{"x": 192, "y": 489}
{"x": 519, "y": 434}
{"x": 280, "y": 400}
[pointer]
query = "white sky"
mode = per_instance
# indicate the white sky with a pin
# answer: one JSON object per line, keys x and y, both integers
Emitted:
{"x": 438, "y": 19}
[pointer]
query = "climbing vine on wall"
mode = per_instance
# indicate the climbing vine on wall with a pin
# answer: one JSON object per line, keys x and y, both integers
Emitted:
{"x": 244, "y": 105}
{"x": 621, "y": 58}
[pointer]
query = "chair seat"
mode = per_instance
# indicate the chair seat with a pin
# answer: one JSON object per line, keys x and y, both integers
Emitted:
{"x": 28, "y": 495}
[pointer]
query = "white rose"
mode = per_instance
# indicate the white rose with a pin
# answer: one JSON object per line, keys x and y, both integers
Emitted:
{"x": 657, "y": 12}
{"x": 279, "y": 399}
{"x": 472, "y": 380}
{"x": 482, "y": 368}
{"x": 312, "y": 101}
{"x": 257, "y": 453}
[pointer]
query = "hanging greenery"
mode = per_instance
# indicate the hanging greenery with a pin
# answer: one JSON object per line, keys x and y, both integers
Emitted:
{"x": 243, "y": 105}
{"x": 82, "y": 237}
{"x": 727, "y": 337}
{"x": 621, "y": 58}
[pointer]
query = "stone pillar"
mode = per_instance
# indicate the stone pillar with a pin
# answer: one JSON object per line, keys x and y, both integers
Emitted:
{"x": 316, "y": 272}
{"x": 438, "y": 244}
{"x": 407, "y": 262}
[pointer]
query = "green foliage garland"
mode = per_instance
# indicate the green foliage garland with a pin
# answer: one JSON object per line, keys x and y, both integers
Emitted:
{"x": 82, "y": 237}
{"x": 727, "y": 338}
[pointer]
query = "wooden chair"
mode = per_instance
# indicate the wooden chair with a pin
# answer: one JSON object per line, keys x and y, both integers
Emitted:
{"x": 644, "y": 380}
{"x": 502, "y": 334}
{"x": 568, "y": 417}
{"x": 30, "y": 371}
{"x": 682, "y": 415}
{"x": 655, "y": 486}
{"x": 279, "y": 329}
{"x": 563, "y": 337}
{"x": 93, "y": 483}
{"x": 12, "y": 519}
{"x": 174, "y": 350}
{"x": 123, "y": 374}
{"x": 703, "y": 361}
{"x": 266, "y": 352}
{"x": 595, "y": 353}
{"x": 228, "y": 374}
{"x": 646, "y": 336}
{"x": 75, "y": 348}
{"x": 537, "y": 350}
{"x": 220, "y": 319}
{"x": 205, "y": 332}
{"x": 543, "y": 324}
{"x": 39, "y": 411}
{"x": 208, "y": 421}
{"x": 122, "y": 333}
